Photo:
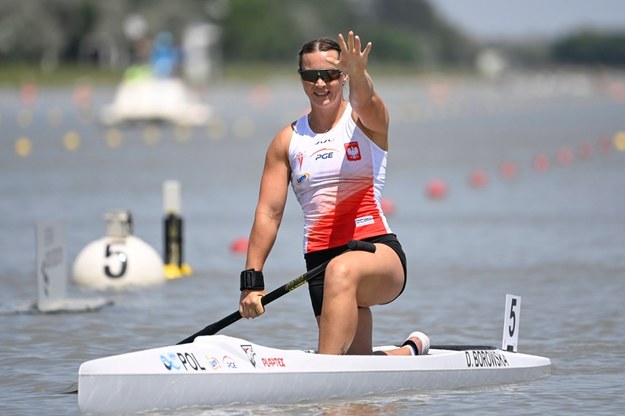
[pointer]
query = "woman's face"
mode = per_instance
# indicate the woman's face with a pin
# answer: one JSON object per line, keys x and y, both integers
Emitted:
{"x": 320, "y": 92}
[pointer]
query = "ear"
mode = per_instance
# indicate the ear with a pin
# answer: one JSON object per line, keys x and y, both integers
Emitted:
{"x": 345, "y": 79}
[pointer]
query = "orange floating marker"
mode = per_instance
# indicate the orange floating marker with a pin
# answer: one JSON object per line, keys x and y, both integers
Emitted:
{"x": 436, "y": 189}
{"x": 605, "y": 146}
{"x": 541, "y": 163}
{"x": 239, "y": 245}
{"x": 388, "y": 207}
{"x": 28, "y": 94}
{"x": 509, "y": 170}
{"x": 478, "y": 178}
{"x": 565, "y": 156}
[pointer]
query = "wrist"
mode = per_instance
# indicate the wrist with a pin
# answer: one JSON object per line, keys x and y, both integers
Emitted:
{"x": 252, "y": 280}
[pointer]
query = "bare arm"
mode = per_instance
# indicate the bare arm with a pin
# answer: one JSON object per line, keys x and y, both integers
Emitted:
{"x": 371, "y": 112}
{"x": 268, "y": 215}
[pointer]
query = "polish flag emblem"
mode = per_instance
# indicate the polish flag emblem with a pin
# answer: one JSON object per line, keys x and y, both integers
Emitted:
{"x": 352, "y": 151}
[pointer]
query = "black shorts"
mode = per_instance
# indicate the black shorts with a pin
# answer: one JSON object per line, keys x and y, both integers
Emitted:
{"x": 315, "y": 258}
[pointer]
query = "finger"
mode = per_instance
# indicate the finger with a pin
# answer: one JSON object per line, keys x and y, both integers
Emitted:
{"x": 350, "y": 41}
{"x": 357, "y": 44}
{"x": 342, "y": 42}
{"x": 332, "y": 61}
{"x": 365, "y": 53}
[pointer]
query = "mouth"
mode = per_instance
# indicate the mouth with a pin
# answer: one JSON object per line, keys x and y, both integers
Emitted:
{"x": 323, "y": 93}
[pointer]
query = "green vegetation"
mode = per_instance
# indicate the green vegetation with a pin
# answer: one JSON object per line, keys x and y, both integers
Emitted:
{"x": 62, "y": 41}
{"x": 590, "y": 48}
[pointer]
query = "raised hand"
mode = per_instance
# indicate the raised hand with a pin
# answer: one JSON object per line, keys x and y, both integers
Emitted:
{"x": 353, "y": 60}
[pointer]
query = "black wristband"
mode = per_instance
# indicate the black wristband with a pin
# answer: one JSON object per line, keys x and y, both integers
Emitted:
{"x": 252, "y": 280}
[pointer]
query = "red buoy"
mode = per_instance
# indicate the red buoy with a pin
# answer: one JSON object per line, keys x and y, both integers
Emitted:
{"x": 478, "y": 178}
{"x": 239, "y": 245}
{"x": 436, "y": 189}
{"x": 388, "y": 207}
{"x": 541, "y": 163}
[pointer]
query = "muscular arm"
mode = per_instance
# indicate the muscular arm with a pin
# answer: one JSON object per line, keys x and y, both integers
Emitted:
{"x": 268, "y": 216}
{"x": 271, "y": 201}
{"x": 369, "y": 108}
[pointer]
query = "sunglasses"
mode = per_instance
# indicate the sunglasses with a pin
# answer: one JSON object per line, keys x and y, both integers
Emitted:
{"x": 312, "y": 75}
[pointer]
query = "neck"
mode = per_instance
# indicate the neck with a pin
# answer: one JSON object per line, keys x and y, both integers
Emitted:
{"x": 322, "y": 119}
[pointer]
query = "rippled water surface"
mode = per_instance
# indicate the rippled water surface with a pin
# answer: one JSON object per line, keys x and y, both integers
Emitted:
{"x": 555, "y": 237}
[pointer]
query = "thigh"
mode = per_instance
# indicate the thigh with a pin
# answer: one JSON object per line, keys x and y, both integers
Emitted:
{"x": 375, "y": 278}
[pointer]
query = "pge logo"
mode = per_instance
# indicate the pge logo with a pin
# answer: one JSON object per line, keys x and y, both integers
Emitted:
{"x": 323, "y": 154}
{"x": 228, "y": 362}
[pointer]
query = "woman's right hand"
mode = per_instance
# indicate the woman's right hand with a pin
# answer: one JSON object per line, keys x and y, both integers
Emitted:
{"x": 250, "y": 305}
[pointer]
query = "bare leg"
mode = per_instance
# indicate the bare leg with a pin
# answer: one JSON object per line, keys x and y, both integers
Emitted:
{"x": 356, "y": 280}
{"x": 362, "y": 343}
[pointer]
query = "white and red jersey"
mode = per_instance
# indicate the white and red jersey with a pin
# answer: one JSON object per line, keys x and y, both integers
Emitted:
{"x": 338, "y": 178}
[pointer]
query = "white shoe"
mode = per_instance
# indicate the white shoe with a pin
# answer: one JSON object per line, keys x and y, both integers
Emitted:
{"x": 422, "y": 346}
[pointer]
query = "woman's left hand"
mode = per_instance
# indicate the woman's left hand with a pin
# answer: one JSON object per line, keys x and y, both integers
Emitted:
{"x": 353, "y": 60}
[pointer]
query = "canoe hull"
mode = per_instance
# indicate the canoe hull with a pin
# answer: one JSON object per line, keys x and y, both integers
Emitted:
{"x": 218, "y": 370}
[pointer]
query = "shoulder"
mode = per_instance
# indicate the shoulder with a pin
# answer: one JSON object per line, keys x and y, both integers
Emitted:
{"x": 280, "y": 144}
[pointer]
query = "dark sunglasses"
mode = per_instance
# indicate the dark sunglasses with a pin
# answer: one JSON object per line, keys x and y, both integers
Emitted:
{"x": 312, "y": 75}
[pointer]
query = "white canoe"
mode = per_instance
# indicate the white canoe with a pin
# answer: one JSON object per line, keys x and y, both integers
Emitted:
{"x": 219, "y": 370}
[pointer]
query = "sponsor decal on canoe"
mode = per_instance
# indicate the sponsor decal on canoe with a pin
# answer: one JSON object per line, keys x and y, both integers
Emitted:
{"x": 480, "y": 358}
{"x": 273, "y": 362}
{"x": 170, "y": 361}
{"x": 181, "y": 361}
{"x": 251, "y": 355}
{"x": 228, "y": 362}
{"x": 213, "y": 362}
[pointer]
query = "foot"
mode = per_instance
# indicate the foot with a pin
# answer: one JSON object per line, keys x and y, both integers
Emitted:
{"x": 419, "y": 342}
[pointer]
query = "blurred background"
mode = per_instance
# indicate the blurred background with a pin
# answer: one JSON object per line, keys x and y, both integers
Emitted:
{"x": 59, "y": 40}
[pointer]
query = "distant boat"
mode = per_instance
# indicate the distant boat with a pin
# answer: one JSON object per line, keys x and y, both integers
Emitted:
{"x": 149, "y": 98}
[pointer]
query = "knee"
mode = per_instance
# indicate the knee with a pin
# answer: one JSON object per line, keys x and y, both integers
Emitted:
{"x": 339, "y": 278}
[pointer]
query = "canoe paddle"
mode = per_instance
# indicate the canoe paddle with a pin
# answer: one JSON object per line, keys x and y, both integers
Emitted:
{"x": 212, "y": 329}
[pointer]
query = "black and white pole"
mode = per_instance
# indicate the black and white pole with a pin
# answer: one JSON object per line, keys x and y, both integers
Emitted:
{"x": 175, "y": 266}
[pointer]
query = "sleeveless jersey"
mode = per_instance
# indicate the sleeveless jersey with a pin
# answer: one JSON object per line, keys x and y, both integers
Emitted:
{"x": 337, "y": 178}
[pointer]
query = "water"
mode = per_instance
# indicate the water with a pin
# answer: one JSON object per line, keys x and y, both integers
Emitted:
{"x": 556, "y": 238}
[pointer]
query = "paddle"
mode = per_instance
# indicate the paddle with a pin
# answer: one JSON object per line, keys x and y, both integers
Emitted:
{"x": 212, "y": 329}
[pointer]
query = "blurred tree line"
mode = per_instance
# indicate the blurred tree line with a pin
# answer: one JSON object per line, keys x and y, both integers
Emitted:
{"x": 270, "y": 31}
{"x": 406, "y": 32}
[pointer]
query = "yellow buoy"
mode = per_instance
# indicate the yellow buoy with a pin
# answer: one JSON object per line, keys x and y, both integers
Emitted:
{"x": 71, "y": 141}
{"x": 23, "y": 146}
{"x": 619, "y": 141}
{"x": 113, "y": 138}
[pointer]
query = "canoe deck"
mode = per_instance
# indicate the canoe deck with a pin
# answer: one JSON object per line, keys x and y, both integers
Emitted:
{"x": 219, "y": 370}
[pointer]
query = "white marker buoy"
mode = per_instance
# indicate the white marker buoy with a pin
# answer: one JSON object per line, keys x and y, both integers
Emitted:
{"x": 118, "y": 260}
{"x": 175, "y": 267}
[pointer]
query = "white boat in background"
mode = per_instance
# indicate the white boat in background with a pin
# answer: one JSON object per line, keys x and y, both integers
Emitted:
{"x": 219, "y": 370}
{"x": 150, "y": 98}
